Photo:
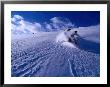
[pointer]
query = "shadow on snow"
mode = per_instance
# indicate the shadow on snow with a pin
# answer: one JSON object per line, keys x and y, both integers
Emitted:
{"x": 88, "y": 45}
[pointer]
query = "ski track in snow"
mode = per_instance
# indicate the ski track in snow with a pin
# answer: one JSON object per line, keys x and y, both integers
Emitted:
{"x": 41, "y": 56}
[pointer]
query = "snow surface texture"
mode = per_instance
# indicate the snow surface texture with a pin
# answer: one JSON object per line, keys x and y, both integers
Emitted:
{"x": 44, "y": 54}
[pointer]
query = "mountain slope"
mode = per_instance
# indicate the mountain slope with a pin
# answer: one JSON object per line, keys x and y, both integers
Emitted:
{"x": 40, "y": 55}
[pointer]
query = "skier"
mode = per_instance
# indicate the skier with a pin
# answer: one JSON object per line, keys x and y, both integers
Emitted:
{"x": 74, "y": 37}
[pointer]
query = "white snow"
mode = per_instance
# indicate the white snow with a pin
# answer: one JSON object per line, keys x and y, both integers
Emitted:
{"x": 61, "y": 37}
{"x": 49, "y": 54}
{"x": 68, "y": 44}
{"x": 63, "y": 40}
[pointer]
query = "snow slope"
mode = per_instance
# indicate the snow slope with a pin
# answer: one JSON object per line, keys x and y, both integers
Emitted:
{"x": 40, "y": 55}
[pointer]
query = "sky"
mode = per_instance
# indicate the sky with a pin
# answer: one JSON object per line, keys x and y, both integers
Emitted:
{"x": 34, "y": 21}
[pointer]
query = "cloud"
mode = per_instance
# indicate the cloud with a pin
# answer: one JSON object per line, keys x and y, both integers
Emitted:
{"x": 16, "y": 18}
{"x": 48, "y": 27}
{"x": 61, "y": 23}
{"x": 20, "y": 26}
{"x": 56, "y": 24}
{"x": 59, "y": 20}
